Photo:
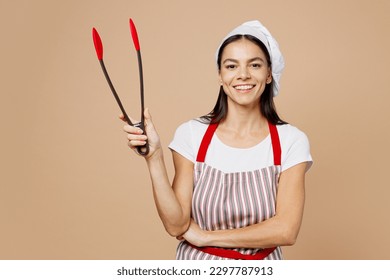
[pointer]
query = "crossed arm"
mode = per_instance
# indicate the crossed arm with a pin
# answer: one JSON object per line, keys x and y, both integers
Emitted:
{"x": 280, "y": 230}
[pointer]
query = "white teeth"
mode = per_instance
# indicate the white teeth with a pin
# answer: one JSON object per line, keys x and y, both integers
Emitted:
{"x": 244, "y": 87}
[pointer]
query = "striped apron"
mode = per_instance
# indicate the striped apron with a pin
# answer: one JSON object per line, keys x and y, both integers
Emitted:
{"x": 232, "y": 200}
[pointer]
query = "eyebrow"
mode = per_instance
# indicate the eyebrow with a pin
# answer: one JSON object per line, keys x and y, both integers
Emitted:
{"x": 236, "y": 61}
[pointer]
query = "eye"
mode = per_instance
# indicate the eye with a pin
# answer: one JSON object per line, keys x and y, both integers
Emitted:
{"x": 256, "y": 65}
{"x": 230, "y": 66}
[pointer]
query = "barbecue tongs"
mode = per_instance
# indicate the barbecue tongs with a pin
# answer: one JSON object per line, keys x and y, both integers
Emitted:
{"x": 142, "y": 150}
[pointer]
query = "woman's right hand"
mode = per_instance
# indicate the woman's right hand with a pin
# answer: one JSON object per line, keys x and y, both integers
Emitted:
{"x": 136, "y": 138}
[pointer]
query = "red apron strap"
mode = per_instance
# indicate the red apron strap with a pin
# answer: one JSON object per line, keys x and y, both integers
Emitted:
{"x": 204, "y": 145}
{"x": 277, "y": 150}
{"x": 231, "y": 254}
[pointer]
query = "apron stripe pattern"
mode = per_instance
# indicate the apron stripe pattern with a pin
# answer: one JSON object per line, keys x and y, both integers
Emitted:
{"x": 232, "y": 200}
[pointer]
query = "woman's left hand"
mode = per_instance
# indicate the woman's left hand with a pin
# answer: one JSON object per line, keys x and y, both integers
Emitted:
{"x": 195, "y": 235}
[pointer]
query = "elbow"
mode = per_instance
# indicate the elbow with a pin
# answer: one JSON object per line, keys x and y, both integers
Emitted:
{"x": 287, "y": 230}
{"x": 177, "y": 230}
{"x": 288, "y": 236}
{"x": 289, "y": 239}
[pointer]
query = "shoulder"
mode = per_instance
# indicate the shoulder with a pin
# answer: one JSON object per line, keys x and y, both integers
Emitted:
{"x": 194, "y": 124}
{"x": 187, "y": 138}
{"x": 295, "y": 146}
{"x": 191, "y": 128}
{"x": 290, "y": 133}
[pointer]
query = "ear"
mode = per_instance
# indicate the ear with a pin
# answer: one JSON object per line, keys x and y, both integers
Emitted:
{"x": 269, "y": 76}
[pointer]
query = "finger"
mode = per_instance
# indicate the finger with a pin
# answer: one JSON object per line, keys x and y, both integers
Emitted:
{"x": 148, "y": 118}
{"x": 131, "y": 146}
{"x": 136, "y": 140}
{"x": 136, "y": 143}
{"x": 123, "y": 118}
{"x": 137, "y": 137}
{"x": 147, "y": 114}
{"x": 132, "y": 129}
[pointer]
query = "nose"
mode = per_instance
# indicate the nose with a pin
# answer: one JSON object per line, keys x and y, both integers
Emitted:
{"x": 244, "y": 73}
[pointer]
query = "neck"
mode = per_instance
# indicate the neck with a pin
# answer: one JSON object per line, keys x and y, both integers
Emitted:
{"x": 244, "y": 119}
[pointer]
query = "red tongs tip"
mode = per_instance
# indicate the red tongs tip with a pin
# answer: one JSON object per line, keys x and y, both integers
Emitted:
{"x": 134, "y": 35}
{"x": 98, "y": 43}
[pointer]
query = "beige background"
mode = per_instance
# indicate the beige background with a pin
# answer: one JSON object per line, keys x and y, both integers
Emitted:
{"x": 71, "y": 189}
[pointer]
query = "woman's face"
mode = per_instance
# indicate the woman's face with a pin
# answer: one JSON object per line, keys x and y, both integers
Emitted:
{"x": 244, "y": 72}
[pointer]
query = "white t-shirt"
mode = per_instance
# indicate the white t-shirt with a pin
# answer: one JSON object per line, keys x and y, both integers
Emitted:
{"x": 294, "y": 144}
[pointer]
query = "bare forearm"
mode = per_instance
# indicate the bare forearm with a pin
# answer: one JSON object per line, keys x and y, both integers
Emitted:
{"x": 270, "y": 233}
{"x": 168, "y": 206}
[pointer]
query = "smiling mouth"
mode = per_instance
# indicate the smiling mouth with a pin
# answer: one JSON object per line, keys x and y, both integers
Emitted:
{"x": 244, "y": 87}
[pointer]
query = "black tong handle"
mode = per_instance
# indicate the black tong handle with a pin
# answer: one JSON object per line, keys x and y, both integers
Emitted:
{"x": 142, "y": 150}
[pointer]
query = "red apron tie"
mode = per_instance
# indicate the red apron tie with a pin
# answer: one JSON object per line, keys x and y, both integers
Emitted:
{"x": 231, "y": 254}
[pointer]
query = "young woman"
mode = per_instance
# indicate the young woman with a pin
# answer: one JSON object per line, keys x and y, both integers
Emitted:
{"x": 238, "y": 190}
